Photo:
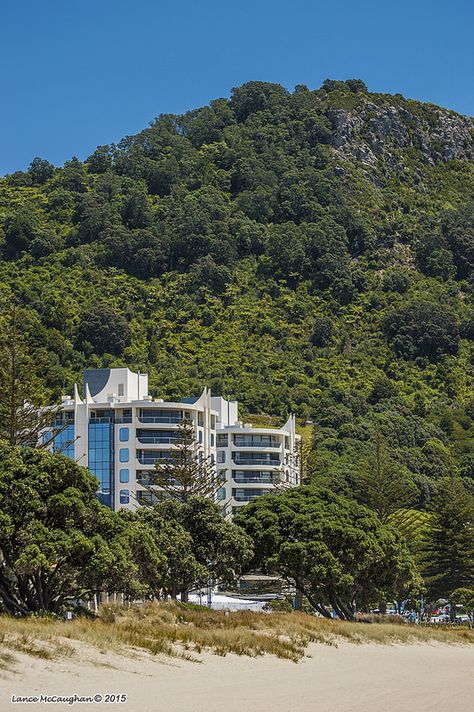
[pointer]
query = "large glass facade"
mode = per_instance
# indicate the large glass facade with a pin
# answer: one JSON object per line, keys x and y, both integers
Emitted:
{"x": 101, "y": 457}
{"x": 63, "y": 434}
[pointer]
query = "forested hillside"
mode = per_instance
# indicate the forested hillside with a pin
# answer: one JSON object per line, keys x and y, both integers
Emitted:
{"x": 309, "y": 251}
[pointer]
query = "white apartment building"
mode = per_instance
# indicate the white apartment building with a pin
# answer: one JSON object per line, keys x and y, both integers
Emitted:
{"x": 119, "y": 432}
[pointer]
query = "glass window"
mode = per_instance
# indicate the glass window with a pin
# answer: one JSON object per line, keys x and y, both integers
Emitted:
{"x": 123, "y": 454}
{"x": 200, "y": 436}
{"x": 200, "y": 419}
{"x": 100, "y": 461}
{"x": 120, "y": 389}
{"x": 213, "y": 422}
{"x": 124, "y": 496}
{"x": 123, "y": 435}
{"x": 124, "y": 475}
{"x": 221, "y": 456}
{"x": 212, "y": 439}
{"x": 221, "y": 493}
{"x": 222, "y": 440}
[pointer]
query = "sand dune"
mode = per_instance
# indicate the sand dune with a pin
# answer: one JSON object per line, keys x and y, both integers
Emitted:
{"x": 350, "y": 678}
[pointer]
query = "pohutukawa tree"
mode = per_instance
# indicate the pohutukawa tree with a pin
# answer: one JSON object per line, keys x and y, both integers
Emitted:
{"x": 58, "y": 544}
{"x": 187, "y": 472}
{"x": 198, "y": 543}
{"x": 334, "y": 551}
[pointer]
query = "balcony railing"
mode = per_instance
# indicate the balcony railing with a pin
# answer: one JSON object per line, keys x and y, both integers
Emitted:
{"x": 256, "y": 480}
{"x": 157, "y": 440}
{"x": 152, "y": 460}
{"x": 105, "y": 419}
{"x": 146, "y": 482}
{"x": 247, "y": 497}
{"x": 250, "y": 461}
{"x": 255, "y": 443}
{"x": 160, "y": 419}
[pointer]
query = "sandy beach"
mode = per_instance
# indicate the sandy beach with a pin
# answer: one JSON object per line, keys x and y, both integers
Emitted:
{"x": 349, "y": 678}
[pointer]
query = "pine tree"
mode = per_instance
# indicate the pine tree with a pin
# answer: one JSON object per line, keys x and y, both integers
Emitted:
{"x": 381, "y": 483}
{"x": 22, "y": 416}
{"x": 448, "y": 552}
{"x": 187, "y": 473}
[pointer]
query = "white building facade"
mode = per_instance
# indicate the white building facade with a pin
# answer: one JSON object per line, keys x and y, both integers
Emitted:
{"x": 119, "y": 432}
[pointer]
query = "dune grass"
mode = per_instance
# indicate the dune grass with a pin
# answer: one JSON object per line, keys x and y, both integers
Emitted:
{"x": 179, "y": 630}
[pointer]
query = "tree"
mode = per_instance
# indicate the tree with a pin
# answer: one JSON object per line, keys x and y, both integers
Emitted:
{"x": 458, "y": 229}
{"x": 58, "y": 544}
{"x": 333, "y": 550}
{"x": 100, "y": 161}
{"x": 213, "y": 547}
{"x": 381, "y": 483}
{"x": 421, "y": 328}
{"x": 187, "y": 473}
{"x": 448, "y": 551}
{"x": 323, "y": 330}
{"x": 256, "y": 96}
{"x": 104, "y": 330}
{"x": 464, "y": 597}
{"x": 21, "y": 228}
{"x": 22, "y": 416}
{"x": 40, "y": 170}
{"x": 181, "y": 571}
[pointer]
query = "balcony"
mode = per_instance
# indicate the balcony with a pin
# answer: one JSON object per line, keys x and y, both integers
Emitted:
{"x": 143, "y": 481}
{"x": 255, "y": 442}
{"x": 255, "y": 461}
{"x": 147, "y": 482}
{"x": 160, "y": 415}
{"x": 256, "y": 480}
{"x": 172, "y": 419}
{"x": 149, "y": 457}
{"x": 157, "y": 440}
{"x": 152, "y": 460}
{"x": 247, "y": 495}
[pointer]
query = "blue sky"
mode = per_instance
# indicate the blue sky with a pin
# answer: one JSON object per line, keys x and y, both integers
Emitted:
{"x": 78, "y": 73}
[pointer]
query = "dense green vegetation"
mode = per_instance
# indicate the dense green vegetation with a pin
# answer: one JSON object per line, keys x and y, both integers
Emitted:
{"x": 309, "y": 251}
{"x": 60, "y": 546}
{"x": 334, "y": 550}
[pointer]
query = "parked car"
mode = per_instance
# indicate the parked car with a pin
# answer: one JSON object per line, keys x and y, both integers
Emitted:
{"x": 442, "y": 618}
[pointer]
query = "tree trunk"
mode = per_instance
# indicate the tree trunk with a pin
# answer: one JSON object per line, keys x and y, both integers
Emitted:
{"x": 318, "y": 606}
{"x": 298, "y": 601}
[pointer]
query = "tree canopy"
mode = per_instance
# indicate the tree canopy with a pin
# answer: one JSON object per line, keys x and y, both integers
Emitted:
{"x": 335, "y": 551}
{"x": 57, "y": 543}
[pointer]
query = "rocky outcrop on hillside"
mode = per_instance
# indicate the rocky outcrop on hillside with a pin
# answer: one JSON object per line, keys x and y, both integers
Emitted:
{"x": 374, "y": 131}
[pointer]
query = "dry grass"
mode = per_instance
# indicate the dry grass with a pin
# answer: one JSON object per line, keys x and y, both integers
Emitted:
{"x": 181, "y": 631}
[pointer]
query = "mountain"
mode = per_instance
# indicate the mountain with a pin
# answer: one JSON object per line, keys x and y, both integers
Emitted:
{"x": 309, "y": 251}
